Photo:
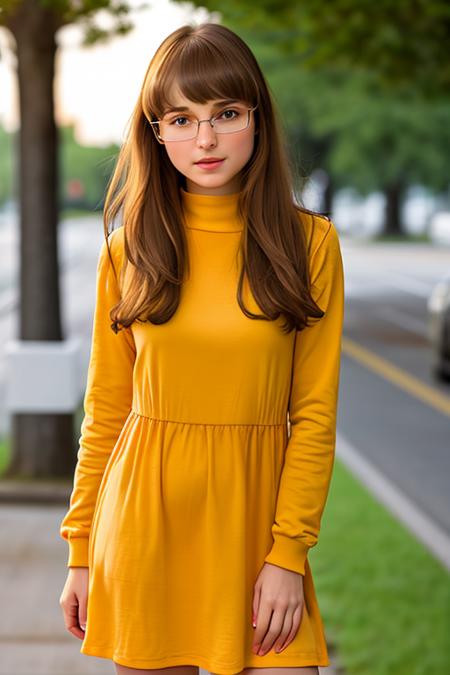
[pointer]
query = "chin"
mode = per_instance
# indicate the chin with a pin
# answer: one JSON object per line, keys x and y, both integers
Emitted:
{"x": 213, "y": 182}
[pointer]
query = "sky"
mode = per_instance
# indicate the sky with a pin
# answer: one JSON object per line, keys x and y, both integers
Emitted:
{"x": 96, "y": 87}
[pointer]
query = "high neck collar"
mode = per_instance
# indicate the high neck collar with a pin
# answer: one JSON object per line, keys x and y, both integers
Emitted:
{"x": 214, "y": 213}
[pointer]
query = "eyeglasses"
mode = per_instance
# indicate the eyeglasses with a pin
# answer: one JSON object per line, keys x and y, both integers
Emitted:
{"x": 221, "y": 122}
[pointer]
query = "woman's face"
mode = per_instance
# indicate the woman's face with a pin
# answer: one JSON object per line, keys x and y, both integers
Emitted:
{"x": 234, "y": 148}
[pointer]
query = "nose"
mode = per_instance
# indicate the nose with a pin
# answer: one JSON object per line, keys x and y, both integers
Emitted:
{"x": 206, "y": 136}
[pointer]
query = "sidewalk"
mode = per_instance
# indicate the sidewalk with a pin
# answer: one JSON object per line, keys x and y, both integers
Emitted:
{"x": 33, "y": 571}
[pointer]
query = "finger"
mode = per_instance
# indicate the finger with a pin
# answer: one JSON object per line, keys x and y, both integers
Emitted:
{"x": 262, "y": 623}
{"x": 70, "y": 613}
{"x": 285, "y": 631}
{"x": 255, "y": 604}
{"x": 82, "y": 615}
{"x": 276, "y": 624}
{"x": 296, "y": 621}
{"x": 72, "y": 627}
{"x": 77, "y": 632}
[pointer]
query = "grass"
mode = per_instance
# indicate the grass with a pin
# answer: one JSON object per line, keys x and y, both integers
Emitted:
{"x": 385, "y": 601}
{"x": 4, "y": 454}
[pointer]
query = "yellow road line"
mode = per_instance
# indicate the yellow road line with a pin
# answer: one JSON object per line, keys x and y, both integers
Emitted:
{"x": 402, "y": 379}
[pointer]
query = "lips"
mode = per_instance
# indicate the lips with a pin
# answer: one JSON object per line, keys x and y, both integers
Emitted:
{"x": 209, "y": 160}
{"x": 209, "y": 164}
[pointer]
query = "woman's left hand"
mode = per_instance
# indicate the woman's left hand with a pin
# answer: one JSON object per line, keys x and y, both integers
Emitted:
{"x": 277, "y": 608}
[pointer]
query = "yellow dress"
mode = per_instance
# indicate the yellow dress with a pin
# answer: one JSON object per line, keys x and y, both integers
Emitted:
{"x": 189, "y": 476}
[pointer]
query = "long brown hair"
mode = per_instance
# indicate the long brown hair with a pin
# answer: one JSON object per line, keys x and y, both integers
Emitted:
{"x": 207, "y": 61}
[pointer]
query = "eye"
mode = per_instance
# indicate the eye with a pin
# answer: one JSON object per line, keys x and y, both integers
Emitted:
{"x": 176, "y": 120}
{"x": 229, "y": 110}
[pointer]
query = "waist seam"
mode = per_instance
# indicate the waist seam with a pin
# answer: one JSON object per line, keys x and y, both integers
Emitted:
{"x": 210, "y": 424}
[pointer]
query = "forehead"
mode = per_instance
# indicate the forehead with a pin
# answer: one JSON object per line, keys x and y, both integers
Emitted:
{"x": 178, "y": 102}
{"x": 189, "y": 106}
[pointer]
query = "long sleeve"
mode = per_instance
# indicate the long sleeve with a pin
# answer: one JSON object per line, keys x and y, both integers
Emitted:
{"x": 107, "y": 403}
{"x": 309, "y": 455}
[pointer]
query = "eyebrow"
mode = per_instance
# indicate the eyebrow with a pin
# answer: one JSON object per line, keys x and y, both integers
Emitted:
{"x": 183, "y": 108}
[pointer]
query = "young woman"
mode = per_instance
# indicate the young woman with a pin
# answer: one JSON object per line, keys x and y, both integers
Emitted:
{"x": 208, "y": 439}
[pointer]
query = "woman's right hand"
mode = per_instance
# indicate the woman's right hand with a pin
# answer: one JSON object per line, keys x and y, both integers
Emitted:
{"x": 73, "y": 600}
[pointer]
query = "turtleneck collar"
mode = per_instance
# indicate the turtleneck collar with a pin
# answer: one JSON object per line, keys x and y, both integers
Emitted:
{"x": 213, "y": 213}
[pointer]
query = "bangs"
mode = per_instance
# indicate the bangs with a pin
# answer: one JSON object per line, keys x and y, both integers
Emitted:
{"x": 201, "y": 73}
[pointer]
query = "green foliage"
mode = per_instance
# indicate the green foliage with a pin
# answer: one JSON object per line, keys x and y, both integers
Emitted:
{"x": 403, "y": 43}
{"x": 82, "y": 12}
{"x": 380, "y": 138}
{"x": 88, "y": 167}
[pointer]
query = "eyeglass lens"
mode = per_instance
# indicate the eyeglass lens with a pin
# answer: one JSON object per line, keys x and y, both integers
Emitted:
{"x": 184, "y": 127}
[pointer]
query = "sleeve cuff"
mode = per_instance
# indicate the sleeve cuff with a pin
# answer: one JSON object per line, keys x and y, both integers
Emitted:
{"x": 288, "y": 553}
{"x": 78, "y": 552}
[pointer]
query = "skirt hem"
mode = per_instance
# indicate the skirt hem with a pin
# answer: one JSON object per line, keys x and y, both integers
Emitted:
{"x": 267, "y": 661}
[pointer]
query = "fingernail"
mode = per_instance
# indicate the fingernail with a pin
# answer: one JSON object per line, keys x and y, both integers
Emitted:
{"x": 254, "y": 625}
{"x": 83, "y": 626}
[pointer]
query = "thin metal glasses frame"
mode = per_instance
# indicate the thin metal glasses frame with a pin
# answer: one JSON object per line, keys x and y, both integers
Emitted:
{"x": 210, "y": 120}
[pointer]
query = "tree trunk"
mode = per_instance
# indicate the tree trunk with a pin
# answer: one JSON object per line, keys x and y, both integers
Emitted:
{"x": 42, "y": 444}
{"x": 392, "y": 212}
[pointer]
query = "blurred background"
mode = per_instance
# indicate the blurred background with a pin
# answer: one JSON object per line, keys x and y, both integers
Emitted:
{"x": 363, "y": 93}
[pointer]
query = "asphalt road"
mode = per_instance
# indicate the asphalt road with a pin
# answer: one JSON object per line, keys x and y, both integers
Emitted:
{"x": 391, "y": 409}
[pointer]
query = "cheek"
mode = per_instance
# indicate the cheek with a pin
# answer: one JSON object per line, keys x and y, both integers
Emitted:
{"x": 176, "y": 154}
{"x": 241, "y": 148}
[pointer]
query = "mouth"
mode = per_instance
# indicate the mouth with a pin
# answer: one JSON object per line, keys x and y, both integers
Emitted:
{"x": 210, "y": 163}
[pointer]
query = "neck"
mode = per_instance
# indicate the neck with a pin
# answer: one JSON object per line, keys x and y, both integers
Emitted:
{"x": 213, "y": 213}
{"x": 231, "y": 186}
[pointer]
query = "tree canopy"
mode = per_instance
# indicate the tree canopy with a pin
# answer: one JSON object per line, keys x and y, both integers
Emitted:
{"x": 82, "y": 12}
{"x": 403, "y": 42}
